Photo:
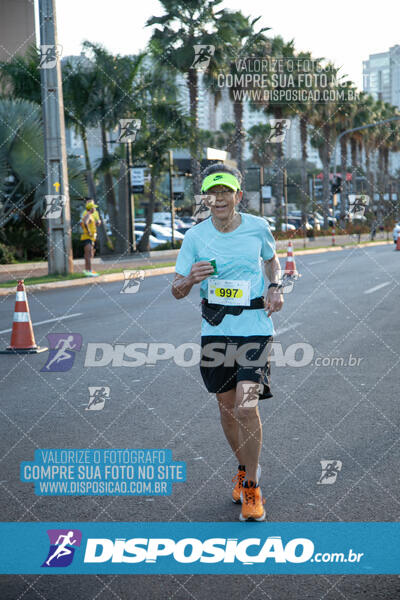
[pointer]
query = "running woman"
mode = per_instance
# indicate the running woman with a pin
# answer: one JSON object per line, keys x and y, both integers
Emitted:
{"x": 234, "y": 311}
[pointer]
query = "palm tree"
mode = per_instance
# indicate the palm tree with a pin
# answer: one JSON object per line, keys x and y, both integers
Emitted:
{"x": 20, "y": 76}
{"x": 22, "y": 167}
{"x": 79, "y": 88}
{"x": 306, "y": 111}
{"x": 164, "y": 126}
{"x": 263, "y": 152}
{"x": 277, "y": 48}
{"x": 187, "y": 23}
{"x": 223, "y": 139}
{"x": 112, "y": 97}
{"x": 241, "y": 42}
{"x": 360, "y": 116}
{"x": 326, "y": 124}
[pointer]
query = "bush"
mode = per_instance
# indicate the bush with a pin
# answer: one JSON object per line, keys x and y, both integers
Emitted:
{"x": 168, "y": 245}
{"x": 7, "y": 255}
{"x": 26, "y": 242}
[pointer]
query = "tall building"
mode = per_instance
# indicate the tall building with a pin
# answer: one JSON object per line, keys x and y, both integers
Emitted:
{"x": 381, "y": 75}
{"x": 381, "y": 79}
{"x": 17, "y": 27}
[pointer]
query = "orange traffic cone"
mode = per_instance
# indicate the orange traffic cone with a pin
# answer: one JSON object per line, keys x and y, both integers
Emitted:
{"x": 22, "y": 337}
{"x": 290, "y": 267}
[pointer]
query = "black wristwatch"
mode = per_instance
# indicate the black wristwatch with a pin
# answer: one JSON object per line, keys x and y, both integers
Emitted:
{"x": 274, "y": 285}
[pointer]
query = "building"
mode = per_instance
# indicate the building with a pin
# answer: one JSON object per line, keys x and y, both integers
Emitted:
{"x": 381, "y": 79}
{"x": 17, "y": 27}
{"x": 381, "y": 75}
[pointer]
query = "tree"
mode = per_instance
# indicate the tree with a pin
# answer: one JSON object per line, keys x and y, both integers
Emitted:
{"x": 79, "y": 90}
{"x": 326, "y": 124}
{"x": 277, "y": 48}
{"x": 112, "y": 98}
{"x": 20, "y": 76}
{"x": 241, "y": 43}
{"x": 263, "y": 152}
{"x": 22, "y": 192}
{"x": 164, "y": 126}
{"x": 187, "y": 23}
{"x": 223, "y": 139}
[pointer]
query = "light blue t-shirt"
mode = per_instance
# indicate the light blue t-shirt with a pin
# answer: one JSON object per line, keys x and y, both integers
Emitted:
{"x": 239, "y": 255}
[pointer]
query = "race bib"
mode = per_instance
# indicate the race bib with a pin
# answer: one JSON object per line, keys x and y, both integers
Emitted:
{"x": 230, "y": 293}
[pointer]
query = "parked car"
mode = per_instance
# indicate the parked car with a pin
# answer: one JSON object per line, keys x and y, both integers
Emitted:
{"x": 188, "y": 220}
{"x": 310, "y": 224}
{"x": 331, "y": 220}
{"x": 164, "y": 218}
{"x": 285, "y": 226}
{"x": 177, "y": 223}
{"x": 153, "y": 241}
{"x": 296, "y": 222}
{"x": 315, "y": 223}
{"x": 163, "y": 234}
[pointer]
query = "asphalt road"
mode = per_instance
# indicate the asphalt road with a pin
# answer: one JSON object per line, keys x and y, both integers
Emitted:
{"x": 346, "y": 303}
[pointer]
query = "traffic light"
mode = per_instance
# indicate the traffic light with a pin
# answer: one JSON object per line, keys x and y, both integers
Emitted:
{"x": 336, "y": 187}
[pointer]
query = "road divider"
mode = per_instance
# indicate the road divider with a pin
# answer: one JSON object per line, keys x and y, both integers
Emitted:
{"x": 56, "y": 319}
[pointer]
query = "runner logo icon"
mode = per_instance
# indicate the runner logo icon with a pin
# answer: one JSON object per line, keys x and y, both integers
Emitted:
{"x": 203, "y": 54}
{"x": 63, "y": 543}
{"x": 98, "y": 397}
{"x": 330, "y": 471}
{"x": 62, "y": 351}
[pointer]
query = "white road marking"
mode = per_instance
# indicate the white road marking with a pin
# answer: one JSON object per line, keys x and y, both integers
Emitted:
{"x": 48, "y": 321}
{"x": 288, "y": 328}
{"x": 377, "y": 287}
{"x": 316, "y": 262}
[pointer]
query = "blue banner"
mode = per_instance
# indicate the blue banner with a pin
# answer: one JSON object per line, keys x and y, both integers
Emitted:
{"x": 208, "y": 548}
{"x": 103, "y": 472}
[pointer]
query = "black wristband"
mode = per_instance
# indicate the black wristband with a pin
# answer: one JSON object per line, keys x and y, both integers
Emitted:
{"x": 275, "y": 285}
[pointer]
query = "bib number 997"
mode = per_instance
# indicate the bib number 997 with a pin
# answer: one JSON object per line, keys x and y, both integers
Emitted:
{"x": 228, "y": 292}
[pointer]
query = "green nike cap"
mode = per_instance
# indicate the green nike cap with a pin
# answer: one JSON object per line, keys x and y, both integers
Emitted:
{"x": 220, "y": 179}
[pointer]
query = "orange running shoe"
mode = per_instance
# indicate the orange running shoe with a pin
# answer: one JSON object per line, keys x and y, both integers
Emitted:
{"x": 238, "y": 481}
{"x": 252, "y": 503}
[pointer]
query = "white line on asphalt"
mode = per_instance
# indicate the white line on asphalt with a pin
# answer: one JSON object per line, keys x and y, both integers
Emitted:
{"x": 377, "y": 287}
{"x": 48, "y": 321}
{"x": 288, "y": 328}
{"x": 316, "y": 262}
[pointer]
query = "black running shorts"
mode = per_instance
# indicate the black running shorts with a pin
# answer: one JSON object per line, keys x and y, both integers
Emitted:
{"x": 227, "y": 360}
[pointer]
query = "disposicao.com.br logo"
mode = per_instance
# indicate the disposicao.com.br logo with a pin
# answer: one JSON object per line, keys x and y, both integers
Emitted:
{"x": 247, "y": 551}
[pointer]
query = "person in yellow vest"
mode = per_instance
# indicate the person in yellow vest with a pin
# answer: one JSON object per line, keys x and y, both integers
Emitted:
{"x": 90, "y": 221}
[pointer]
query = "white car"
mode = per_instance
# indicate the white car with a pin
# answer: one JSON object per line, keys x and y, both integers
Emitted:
{"x": 396, "y": 232}
{"x": 284, "y": 226}
{"x": 153, "y": 241}
{"x": 162, "y": 233}
{"x": 164, "y": 218}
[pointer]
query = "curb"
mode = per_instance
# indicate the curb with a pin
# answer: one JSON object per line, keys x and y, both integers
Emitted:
{"x": 337, "y": 248}
{"x": 108, "y": 278}
{"x": 111, "y": 277}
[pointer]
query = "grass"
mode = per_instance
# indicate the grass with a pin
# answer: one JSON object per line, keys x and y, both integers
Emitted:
{"x": 51, "y": 278}
{"x": 337, "y": 245}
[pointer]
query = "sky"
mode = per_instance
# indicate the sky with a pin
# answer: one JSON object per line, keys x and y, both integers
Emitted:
{"x": 344, "y": 31}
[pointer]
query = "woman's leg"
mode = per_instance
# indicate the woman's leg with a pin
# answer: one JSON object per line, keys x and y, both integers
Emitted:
{"x": 229, "y": 421}
{"x": 250, "y": 428}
